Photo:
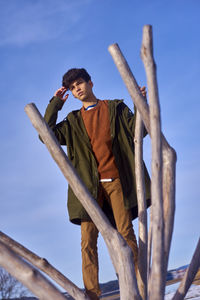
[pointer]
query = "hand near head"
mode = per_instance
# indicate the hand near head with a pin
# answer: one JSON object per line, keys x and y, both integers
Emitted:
{"x": 60, "y": 93}
{"x": 143, "y": 91}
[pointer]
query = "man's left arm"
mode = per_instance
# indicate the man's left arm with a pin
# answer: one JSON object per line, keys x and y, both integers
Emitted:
{"x": 130, "y": 117}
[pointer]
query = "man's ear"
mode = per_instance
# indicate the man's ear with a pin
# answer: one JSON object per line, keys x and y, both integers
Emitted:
{"x": 90, "y": 83}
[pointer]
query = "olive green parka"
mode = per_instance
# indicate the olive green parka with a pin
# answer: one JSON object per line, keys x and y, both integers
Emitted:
{"x": 72, "y": 133}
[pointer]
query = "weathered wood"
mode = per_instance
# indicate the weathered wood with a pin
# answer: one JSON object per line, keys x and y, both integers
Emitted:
{"x": 120, "y": 253}
{"x": 131, "y": 84}
{"x": 149, "y": 250}
{"x": 169, "y": 155}
{"x": 189, "y": 275}
{"x": 28, "y": 275}
{"x": 169, "y": 187}
{"x": 157, "y": 275}
{"x": 142, "y": 211}
{"x": 43, "y": 265}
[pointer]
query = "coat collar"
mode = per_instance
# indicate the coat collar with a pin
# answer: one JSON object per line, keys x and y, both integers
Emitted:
{"x": 76, "y": 120}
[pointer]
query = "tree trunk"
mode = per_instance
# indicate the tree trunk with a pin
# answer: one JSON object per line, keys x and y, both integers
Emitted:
{"x": 157, "y": 279}
{"x": 142, "y": 212}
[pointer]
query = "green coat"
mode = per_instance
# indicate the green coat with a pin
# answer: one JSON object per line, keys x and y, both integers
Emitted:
{"x": 71, "y": 132}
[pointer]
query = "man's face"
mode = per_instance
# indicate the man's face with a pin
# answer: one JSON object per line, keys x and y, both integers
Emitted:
{"x": 81, "y": 89}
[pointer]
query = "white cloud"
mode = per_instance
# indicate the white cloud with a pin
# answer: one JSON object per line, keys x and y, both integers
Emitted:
{"x": 24, "y": 22}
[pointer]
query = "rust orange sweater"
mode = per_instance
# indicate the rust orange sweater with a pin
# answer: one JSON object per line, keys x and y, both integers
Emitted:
{"x": 97, "y": 124}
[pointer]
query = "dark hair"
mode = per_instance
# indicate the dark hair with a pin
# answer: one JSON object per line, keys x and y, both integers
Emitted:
{"x": 74, "y": 74}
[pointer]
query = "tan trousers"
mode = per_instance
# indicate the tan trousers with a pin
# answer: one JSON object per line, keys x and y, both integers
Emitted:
{"x": 112, "y": 191}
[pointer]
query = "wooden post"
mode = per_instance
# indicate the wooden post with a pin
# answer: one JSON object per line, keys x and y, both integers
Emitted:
{"x": 142, "y": 211}
{"x": 29, "y": 276}
{"x": 149, "y": 249}
{"x": 168, "y": 154}
{"x": 169, "y": 188}
{"x": 157, "y": 275}
{"x": 44, "y": 266}
{"x": 131, "y": 84}
{"x": 121, "y": 255}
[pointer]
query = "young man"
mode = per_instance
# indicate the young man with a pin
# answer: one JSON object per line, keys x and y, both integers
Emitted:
{"x": 99, "y": 139}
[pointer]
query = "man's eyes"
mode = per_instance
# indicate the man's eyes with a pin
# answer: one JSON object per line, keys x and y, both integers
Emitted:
{"x": 72, "y": 87}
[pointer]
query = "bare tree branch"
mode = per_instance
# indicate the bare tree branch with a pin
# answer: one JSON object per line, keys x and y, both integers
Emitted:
{"x": 169, "y": 188}
{"x": 29, "y": 276}
{"x": 149, "y": 250}
{"x": 10, "y": 287}
{"x": 168, "y": 153}
{"x": 142, "y": 211}
{"x": 45, "y": 266}
{"x": 131, "y": 84}
{"x": 157, "y": 275}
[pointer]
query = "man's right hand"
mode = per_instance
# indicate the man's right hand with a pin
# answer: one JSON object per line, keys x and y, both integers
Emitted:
{"x": 60, "y": 93}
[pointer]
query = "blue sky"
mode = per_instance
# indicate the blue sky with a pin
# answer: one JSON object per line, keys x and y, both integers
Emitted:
{"x": 39, "y": 42}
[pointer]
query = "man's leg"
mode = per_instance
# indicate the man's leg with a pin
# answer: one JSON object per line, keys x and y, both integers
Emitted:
{"x": 90, "y": 268}
{"x": 123, "y": 218}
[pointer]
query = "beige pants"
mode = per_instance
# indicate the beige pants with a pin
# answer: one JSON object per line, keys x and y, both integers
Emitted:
{"x": 112, "y": 191}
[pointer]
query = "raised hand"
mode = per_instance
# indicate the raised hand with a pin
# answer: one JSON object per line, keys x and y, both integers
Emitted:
{"x": 143, "y": 91}
{"x": 60, "y": 93}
